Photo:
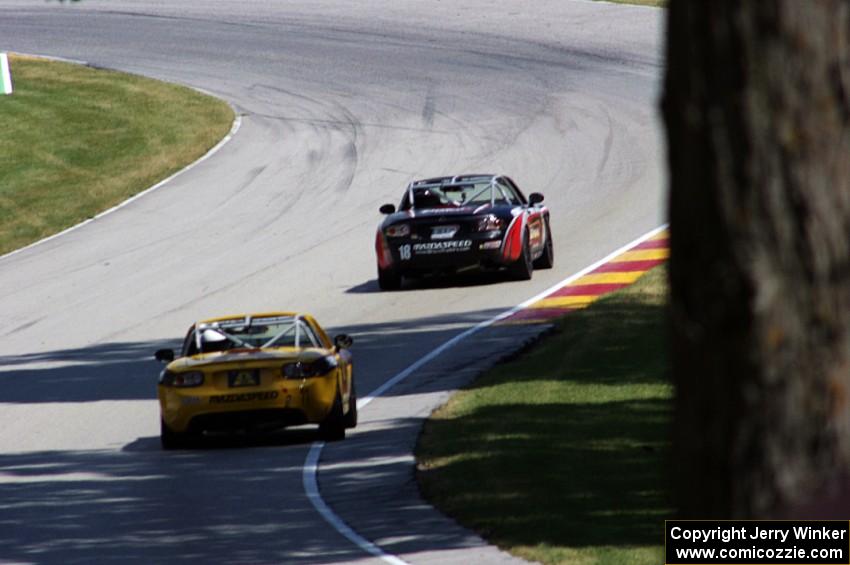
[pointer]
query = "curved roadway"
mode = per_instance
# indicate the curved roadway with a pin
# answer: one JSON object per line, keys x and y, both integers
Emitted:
{"x": 342, "y": 104}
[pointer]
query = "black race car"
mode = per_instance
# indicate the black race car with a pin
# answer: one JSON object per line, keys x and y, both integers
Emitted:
{"x": 450, "y": 224}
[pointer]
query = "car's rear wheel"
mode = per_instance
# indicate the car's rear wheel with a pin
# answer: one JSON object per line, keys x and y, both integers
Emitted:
{"x": 389, "y": 279}
{"x": 522, "y": 267}
{"x": 332, "y": 427}
{"x": 351, "y": 415}
{"x": 173, "y": 440}
{"x": 547, "y": 260}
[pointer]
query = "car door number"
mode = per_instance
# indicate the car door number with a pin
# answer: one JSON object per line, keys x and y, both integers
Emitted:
{"x": 536, "y": 233}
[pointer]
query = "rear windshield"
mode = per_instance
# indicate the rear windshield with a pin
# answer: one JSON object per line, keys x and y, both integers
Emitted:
{"x": 452, "y": 195}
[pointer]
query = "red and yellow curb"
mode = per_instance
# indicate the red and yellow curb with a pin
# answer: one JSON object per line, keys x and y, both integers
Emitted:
{"x": 618, "y": 272}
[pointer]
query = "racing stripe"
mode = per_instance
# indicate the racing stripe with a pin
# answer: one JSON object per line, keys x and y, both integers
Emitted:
{"x": 382, "y": 250}
{"x": 512, "y": 245}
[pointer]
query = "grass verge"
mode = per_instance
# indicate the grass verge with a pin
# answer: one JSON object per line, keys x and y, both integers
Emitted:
{"x": 559, "y": 456}
{"x": 78, "y": 140}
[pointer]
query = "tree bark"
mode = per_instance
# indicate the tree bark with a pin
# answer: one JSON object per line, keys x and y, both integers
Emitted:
{"x": 757, "y": 111}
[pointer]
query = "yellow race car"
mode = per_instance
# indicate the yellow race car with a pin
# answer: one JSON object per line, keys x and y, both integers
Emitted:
{"x": 256, "y": 372}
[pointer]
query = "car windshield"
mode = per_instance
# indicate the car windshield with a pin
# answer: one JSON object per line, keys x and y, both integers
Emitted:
{"x": 254, "y": 333}
{"x": 438, "y": 195}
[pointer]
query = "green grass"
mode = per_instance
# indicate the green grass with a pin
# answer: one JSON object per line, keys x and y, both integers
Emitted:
{"x": 76, "y": 141}
{"x": 560, "y": 455}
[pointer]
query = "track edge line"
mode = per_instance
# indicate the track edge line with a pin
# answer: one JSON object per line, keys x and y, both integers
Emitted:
{"x": 311, "y": 463}
{"x": 234, "y": 127}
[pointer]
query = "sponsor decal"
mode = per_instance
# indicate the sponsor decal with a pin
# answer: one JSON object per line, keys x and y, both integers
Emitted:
{"x": 443, "y": 211}
{"x": 434, "y": 247}
{"x": 245, "y": 397}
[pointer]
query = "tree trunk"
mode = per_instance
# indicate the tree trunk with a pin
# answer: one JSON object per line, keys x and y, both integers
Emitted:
{"x": 757, "y": 108}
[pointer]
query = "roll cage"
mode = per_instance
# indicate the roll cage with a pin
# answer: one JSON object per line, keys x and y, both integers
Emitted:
{"x": 437, "y": 192}
{"x": 250, "y": 333}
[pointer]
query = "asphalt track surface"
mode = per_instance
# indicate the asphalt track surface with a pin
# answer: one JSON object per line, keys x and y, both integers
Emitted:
{"x": 342, "y": 104}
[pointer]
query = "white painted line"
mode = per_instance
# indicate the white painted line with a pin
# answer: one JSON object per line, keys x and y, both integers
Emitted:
{"x": 237, "y": 123}
{"x": 311, "y": 487}
{"x": 311, "y": 464}
{"x": 59, "y": 59}
{"x": 5, "y": 75}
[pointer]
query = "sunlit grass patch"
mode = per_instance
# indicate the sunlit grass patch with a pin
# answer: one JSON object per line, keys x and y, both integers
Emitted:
{"x": 78, "y": 140}
{"x": 560, "y": 455}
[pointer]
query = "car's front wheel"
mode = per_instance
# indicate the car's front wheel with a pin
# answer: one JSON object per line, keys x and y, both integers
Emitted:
{"x": 389, "y": 279}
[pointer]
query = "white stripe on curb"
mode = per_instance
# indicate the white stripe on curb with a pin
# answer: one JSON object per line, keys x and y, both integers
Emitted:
{"x": 311, "y": 464}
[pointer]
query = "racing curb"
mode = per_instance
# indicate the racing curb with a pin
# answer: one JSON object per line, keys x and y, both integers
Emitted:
{"x": 619, "y": 272}
{"x": 234, "y": 127}
{"x": 411, "y": 527}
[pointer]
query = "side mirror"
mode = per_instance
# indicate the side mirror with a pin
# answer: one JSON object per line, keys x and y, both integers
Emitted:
{"x": 387, "y": 209}
{"x": 164, "y": 355}
{"x": 535, "y": 198}
{"x": 343, "y": 341}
